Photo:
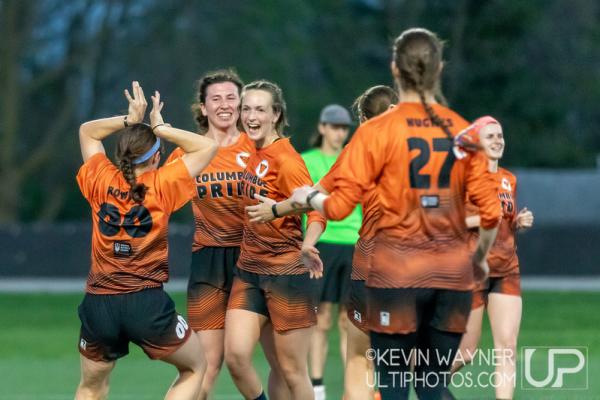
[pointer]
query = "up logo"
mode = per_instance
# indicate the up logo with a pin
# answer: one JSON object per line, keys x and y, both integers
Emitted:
{"x": 262, "y": 168}
{"x": 554, "y": 368}
{"x": 242, "y": 159}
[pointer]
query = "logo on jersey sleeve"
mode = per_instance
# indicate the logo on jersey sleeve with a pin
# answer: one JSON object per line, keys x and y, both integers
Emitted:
{"x": 505, "y": 184}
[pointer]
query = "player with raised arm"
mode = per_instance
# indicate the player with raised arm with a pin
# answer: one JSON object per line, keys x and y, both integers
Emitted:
{"x": 421, "y": 272}
{"x": 131, "y": 205}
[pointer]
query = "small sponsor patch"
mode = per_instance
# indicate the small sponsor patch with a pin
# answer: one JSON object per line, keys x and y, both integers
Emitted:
{"x": 384, "y": 318}
{"x": 83, "y": 344}
{"x": 357, "y": 316}
{"x": 430, "y": 201}
{"x": 121, "y": 249}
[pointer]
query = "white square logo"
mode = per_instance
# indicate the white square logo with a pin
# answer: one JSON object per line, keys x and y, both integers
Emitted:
{"x": 384, "y": 318}
{"x": 357, "y": 316}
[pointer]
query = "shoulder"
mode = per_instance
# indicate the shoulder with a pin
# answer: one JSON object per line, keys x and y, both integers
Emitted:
{"x": 507, "y": 174}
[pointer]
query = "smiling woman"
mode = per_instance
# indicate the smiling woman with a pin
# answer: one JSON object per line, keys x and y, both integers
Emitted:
{"x": 272, "y": 281}
{"x": 218, "y": 215}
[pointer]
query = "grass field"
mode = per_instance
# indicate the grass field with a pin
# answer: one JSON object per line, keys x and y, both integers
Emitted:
{"x": 39, "y": 358}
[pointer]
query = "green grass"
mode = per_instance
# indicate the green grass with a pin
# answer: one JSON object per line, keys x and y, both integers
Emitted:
{"x": 39, "y": 357}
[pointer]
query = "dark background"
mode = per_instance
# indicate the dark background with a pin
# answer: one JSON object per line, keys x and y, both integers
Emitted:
{"x": 534, "y": 65}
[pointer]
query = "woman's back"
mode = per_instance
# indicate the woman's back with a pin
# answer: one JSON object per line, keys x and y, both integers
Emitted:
{"x": 129, "y": 239}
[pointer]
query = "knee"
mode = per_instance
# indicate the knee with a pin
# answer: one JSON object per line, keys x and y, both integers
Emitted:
{"x": 293, "y": 374}
{"x": 93, "y": 386}
{"x": 92, "y": 393}
{"x": 213, "y": 365}
{"x": 343, "y": 319}
{"x": 324, "y": 320}
{"x": 237, "y": 361}
{"x": 507, "y": 345}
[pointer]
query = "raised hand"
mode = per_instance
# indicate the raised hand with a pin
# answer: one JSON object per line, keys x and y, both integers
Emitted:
{"x": 137, "y": 103}
{"x": 156, "y": 118}
{"x": 261, "y": 212}
{"x": 524, "y": 219}
{"x": 312, "y": 261}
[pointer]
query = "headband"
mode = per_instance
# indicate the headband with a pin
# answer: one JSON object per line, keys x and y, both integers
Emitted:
{"x": 146, "y": 156}
{"x": 467, "y": 140}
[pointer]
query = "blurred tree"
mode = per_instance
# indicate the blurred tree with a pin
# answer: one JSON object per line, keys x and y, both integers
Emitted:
{"x": 534, "y": 65}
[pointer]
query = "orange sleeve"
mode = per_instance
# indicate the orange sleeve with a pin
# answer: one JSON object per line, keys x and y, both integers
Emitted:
{"x": 482, "y": 191}
{"x": 471, "y": 209}
{"x": 293, "y": 174}
{"x": 175, "y": 186}
{"x": 353, "y": 179}
{"x": 90, "y": 175}
{"x": 175, "y": 154}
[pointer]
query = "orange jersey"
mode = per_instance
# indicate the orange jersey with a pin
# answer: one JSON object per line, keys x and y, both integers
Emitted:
{"x": 421, "y": 237}
{"x": 218, "y": 213}
{"x": 274, "y": 248}
{"x": 129, "y": 240}
{"x": 502, "y": 258}
{"x": 371, "y": 213}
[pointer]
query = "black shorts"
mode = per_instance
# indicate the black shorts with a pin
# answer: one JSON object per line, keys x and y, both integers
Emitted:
{"x": 289, "y": 301}
{"x": 211, "y": 277}
{"x": 356, "y": 305}
{"x": 337, "y": 267}
{"x": 406, "y": 310}
{"x": 147, "y": 318}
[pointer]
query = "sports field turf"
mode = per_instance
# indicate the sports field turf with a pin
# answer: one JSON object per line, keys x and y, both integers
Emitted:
{"x": 39, "y": 358}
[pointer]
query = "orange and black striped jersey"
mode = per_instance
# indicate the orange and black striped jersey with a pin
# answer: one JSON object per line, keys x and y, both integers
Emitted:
{"x": 273, "y": 248}
{"x": 129, "y": 240}
{"x": 371, "y": 213}
{"x": 217, "y": 207}
{"x": 421, "y": 236}
{"x": 502, "y": 258}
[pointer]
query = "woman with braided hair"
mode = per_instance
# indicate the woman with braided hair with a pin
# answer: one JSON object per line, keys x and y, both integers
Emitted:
{"x": 421, "y": 270}
{"x": 131, "y": 206}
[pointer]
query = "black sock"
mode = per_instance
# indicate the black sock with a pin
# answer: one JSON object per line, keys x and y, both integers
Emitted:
{"x": 261, "y": 396}
{"x": 317, "y": 381}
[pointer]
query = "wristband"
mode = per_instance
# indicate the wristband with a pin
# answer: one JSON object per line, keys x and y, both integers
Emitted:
{"x": 125, "y": 122}
{"x": 274, "y": 210}
{"x": 311, "y": 196}
{"x": 156, "y": 126}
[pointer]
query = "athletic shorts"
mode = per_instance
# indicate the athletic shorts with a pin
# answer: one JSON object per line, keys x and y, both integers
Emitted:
{"x": 406, "y": 310}
{"x": 509, "y": 284}
{"x": 337, "y": 267}
{"x": 356, "y": 305}
{"x": 289, "y": 301}
{"x": 211, "y": 277}
{"x": 147, "y": 318}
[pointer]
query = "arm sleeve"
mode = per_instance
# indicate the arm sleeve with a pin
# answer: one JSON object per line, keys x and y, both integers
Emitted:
{"x": 358, "y": 169}
{"x": 293, "y": 174}
{"x": 482, "y": 190}
{"x": 174, "y": 186}
{"x": 92, "y": 173}
{"x": 175, "y": 154}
